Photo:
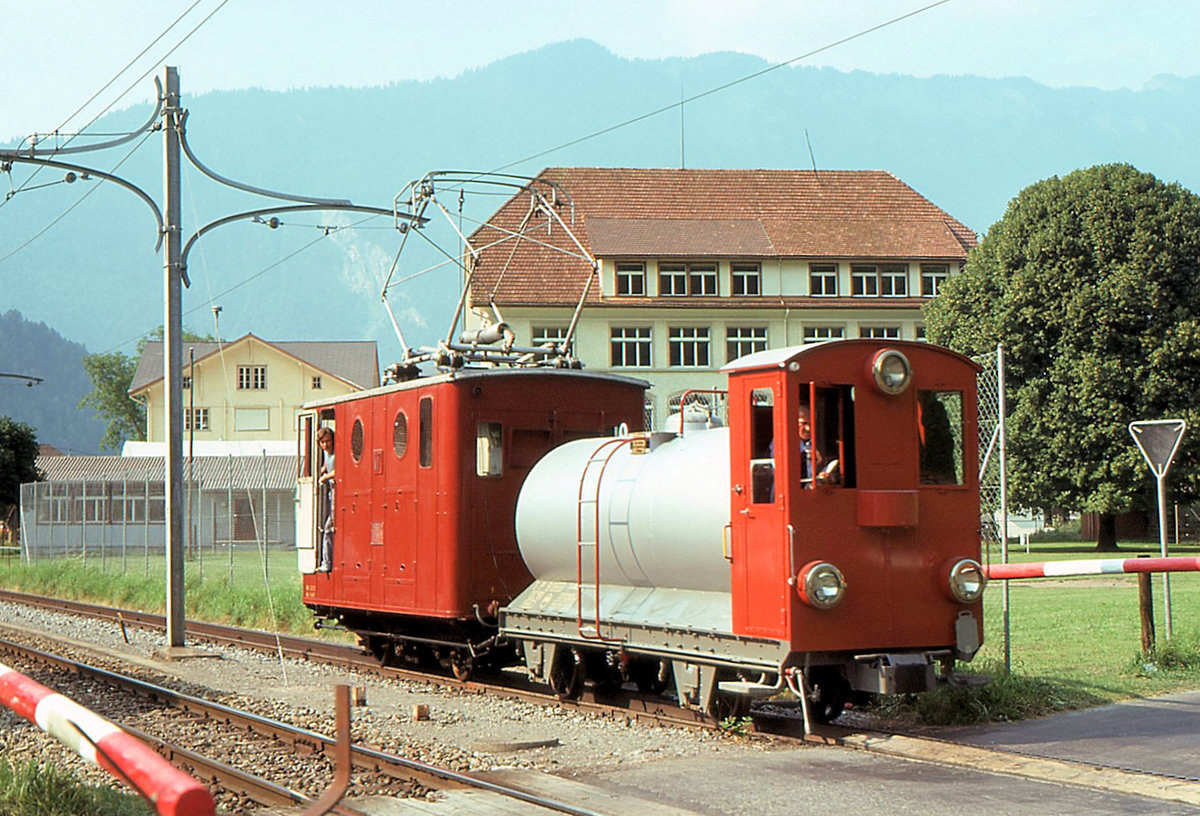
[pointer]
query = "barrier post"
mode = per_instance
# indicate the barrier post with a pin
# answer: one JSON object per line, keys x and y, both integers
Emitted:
{"x": 1146, "y": 608}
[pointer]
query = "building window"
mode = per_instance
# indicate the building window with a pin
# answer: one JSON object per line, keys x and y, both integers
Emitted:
{"x": 919, "y": 332}
{"x": 880, "y": 332}
{"x": 893, "y": 281}
{"x": 187, "y": 382}
{"x": 545, "y": 335}
{"x": 631, "y": 279}
{"x": 702, "y": 279}
{"x": 195, "y": 418}
{"x": 678, "y": 280}
{"x": 672, "y": 279}
{"x": 630, "y": 347}
{"x": 743, "y": 340}
{"x": 747, "y": 279}
{"x": 823, "y": 280}
{"x": 252, "y": 377}
{"x": 932, "y": 278}
{"x": 688, "y": 346}
{"x": 864, "y": 281}
{"x": 316, "y": 383}
{"x": 818, "y": 334}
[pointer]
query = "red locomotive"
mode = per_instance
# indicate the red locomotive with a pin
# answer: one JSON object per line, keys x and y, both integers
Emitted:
{"x": 427, "y": 473}
{"x": 826, "y": 539}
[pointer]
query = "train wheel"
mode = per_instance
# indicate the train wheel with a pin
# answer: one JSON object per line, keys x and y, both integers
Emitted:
{"x": 827, "y": 694}
{"x": 650, "y": 676}
{"x": 382, "y": 648}
{"x": 462, "y": 665}
{"x": 567, "y": 674}
{"x": 604, "y": 669}
{"x": 724, "y": 706}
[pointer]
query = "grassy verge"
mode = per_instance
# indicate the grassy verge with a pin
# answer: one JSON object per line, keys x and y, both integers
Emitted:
{"x": 44, "y": 790}
{"x": 254, "y": 589}
{"x": 1073, "y": 642}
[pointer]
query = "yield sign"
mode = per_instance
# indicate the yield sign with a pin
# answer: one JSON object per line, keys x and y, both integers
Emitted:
{"x": 1158, "y": 440}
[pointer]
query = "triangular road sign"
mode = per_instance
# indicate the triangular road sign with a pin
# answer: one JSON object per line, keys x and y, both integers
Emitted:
{"x": 1158, "y": 440}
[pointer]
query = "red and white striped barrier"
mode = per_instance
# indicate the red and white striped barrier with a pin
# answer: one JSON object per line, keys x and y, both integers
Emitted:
{"x": 1097, "y": 566}
{"x": 170, "y": 790}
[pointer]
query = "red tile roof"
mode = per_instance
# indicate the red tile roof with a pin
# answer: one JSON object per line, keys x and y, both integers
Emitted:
{"x": 828, "y": 214}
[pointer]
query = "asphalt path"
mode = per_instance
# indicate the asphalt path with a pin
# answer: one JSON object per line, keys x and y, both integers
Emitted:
{"x": 1159, "y": 735}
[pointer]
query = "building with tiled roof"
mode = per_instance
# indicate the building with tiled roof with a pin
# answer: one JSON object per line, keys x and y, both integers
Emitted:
{"x": 250, "y": 388}
{"x": 698, "y": 267}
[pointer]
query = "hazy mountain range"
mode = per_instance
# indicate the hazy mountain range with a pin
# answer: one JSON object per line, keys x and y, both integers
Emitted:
{"x": 966, "y": 143}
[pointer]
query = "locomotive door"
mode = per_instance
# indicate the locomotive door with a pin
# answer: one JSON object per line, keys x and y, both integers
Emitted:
{"x": 759, "y": 460}
{"x": 306, "y": 493}
{"x": 399, "y": 504}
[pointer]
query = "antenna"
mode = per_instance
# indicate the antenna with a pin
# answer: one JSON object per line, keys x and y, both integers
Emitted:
{"x": 811, "y": 157}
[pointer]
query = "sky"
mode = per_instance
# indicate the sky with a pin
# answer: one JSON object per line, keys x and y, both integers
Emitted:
{"x": 57, "y": 57}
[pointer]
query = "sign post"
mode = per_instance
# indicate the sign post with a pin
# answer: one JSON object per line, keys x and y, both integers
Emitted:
{"x": 1158, "y": 440}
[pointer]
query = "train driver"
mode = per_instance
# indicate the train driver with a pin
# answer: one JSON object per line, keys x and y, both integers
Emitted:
{"x": 326, "y": 484}
{"x": 811, "y": 458}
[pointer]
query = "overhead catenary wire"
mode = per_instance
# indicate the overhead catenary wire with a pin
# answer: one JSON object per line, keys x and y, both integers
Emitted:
{"x": 724, "y": 87}
{"x": 132, "y": 85}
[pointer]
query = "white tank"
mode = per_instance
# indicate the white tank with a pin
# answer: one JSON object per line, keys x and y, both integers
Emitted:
{"x": 662, "y": 513}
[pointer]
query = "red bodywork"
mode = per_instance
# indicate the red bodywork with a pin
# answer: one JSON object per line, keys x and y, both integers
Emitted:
{"x": 892, "y": 527}
{"x": 418, "y": 531}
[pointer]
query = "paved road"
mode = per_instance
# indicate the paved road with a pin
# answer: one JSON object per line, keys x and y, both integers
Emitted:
{"x": 1160, "y": 736}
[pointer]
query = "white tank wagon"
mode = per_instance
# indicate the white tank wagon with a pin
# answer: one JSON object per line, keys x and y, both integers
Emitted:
{"x": 627, "y": 540}
{"x": 662, "y": 512}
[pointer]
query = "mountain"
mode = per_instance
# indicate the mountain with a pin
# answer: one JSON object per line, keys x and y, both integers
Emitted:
{"x": 36, "y": 350}
{"x": 968, "y": 144}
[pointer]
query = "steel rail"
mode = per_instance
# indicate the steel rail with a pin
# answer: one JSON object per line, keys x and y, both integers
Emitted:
{"x": 657, "y": 710}
{"x": 363, "y": 757}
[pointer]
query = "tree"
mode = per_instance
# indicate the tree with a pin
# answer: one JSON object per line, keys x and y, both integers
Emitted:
{"x": 18, "y": 462}
{"x": 111, "y": 375}
{"x": 1092, "y": 282}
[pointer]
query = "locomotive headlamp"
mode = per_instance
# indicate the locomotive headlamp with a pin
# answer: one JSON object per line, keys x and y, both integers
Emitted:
{"x": 891, "y": 371}
{"x": 821, "y": 585}
{"x": 967, "y": 580}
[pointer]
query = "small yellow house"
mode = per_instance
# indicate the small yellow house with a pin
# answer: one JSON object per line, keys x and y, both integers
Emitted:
{"x": 251, "y": 389}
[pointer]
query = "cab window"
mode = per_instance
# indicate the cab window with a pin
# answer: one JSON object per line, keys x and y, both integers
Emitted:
{"x": 762, "y": 446}
{"x": 940, "y": 431}
{"x": 830, "y": 456}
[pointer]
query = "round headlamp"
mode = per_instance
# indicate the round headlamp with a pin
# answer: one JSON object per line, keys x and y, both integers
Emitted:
{"x": 966, "y": 580}
{"x": 821, "y": 585}
{"x": 891, "y": 371}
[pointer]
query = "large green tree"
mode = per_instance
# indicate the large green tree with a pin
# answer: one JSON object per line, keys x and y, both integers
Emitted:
{"x": 18, "y": 462}
{"x": 1092, "y": 282}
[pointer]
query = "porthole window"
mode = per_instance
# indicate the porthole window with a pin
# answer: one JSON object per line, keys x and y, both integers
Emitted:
{"x": 400, "y": 434}
{"x": 356, "y": 440}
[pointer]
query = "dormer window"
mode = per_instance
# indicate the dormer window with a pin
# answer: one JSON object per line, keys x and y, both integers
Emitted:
{"x": 631, "y": 279}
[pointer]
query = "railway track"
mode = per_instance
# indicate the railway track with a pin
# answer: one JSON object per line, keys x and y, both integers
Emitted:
{"x": 193, "y": 733}
{"x": 638, "y": 708}
{"x": 1005, "y": 761}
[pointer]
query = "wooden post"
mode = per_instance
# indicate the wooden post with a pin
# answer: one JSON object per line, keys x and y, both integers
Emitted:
{"x": 1146, "y": 607}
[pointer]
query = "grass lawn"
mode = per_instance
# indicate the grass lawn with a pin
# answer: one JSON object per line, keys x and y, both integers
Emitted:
{"x": 1085, "y": 632}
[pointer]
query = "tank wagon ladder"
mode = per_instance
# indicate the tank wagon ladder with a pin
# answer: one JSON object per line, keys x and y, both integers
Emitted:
{"x": 596, "y": 464}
